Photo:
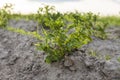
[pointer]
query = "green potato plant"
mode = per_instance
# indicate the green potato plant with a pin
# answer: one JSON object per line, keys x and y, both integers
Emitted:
{"x": 58, "y": 40}
{"x": 5, "y": 12}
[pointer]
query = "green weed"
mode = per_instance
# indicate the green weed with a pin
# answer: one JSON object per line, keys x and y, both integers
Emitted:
{"x": 93, "y": 53}
{"x": 107, "y": 57}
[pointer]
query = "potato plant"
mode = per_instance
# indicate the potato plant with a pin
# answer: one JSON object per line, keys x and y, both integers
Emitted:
{"x": 5, "y": 12}
{"x": 66, "y": 32}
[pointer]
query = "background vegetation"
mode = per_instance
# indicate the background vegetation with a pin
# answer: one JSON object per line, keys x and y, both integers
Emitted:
{"x": 60, "y": 33}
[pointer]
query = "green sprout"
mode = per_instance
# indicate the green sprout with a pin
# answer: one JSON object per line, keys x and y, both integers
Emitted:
{"x": 107, "y": 57}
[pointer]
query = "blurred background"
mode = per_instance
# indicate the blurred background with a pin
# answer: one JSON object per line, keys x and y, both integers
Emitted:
{"x": 104, "y": 7}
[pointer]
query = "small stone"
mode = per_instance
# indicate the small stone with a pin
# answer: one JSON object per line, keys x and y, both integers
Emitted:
{"x": 68, "y": 62}
{"x": 4, "y": 55}
{"x": 72, "y": 68}
{"x": 5, "y": 40}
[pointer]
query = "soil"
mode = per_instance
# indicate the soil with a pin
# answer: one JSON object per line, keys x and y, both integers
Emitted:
{"x": 20, "y": 60}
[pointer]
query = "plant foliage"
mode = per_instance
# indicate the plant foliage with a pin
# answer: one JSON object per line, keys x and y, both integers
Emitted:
{"x": 5, "y": 12}
{"x": 61, "y": 33}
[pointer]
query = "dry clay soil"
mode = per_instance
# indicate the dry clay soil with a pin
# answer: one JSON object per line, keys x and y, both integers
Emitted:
{"x": 19, "y": 59}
